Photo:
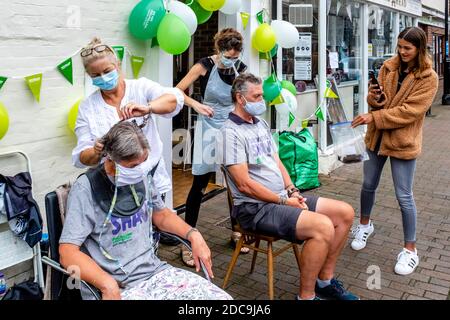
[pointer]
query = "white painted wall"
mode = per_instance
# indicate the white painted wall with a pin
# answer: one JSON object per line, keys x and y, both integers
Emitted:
{"x": 39, "y": 34}
{"x": 435, "y": 4}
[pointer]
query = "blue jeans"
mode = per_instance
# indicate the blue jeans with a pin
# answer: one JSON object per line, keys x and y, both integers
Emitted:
{"x": 403, "y": 177}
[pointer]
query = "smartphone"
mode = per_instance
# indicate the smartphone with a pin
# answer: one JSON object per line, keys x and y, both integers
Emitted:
{"x": 373, "y": 79}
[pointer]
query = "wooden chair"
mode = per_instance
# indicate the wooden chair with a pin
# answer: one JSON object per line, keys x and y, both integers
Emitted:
{"x": 252, "y": 241}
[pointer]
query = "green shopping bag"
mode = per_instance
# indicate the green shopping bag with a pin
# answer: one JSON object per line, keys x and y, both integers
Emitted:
{"x": 298, "y": 152}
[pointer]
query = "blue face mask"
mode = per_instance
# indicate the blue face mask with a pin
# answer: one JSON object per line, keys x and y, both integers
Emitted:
{"x": 107, "y": 81}
{"x": 227, "y": 62}
{"x": 255, "y": 108}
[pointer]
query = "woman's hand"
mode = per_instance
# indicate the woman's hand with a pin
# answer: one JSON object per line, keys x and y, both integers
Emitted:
{"x": 376, "y": 92}
{"x": 362, "y": 119}
{"x": 200, "y": 251}
{"x": 133, "y": 110}
{"x": 98, "y": 147}
{"x": 203, "y": 109}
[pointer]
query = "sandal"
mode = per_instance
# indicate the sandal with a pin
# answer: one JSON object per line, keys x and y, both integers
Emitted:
{"x": 235, "y": 236}
{"x": 187, "y": 258}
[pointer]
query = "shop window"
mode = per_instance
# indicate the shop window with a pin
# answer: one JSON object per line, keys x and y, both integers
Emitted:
{"x": 405, "y": 22}
{"x": 300, "y": 64}
{"x": 382, "y": 42}
{"x": 344, "y": 41}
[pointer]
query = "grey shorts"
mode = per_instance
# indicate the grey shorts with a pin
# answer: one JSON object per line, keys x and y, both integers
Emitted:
{"x": 272, "y": 219}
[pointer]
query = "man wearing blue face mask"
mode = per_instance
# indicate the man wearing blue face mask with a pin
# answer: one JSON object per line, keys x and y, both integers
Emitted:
{"x": 266, "y": 201}
{"x": 216, "y": 74}
{"x": 110, "y": 211}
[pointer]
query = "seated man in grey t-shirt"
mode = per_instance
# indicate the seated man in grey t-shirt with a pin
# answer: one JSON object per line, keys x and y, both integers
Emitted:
{"x": 111, "y": 245}
{"x": 266, "y": 201}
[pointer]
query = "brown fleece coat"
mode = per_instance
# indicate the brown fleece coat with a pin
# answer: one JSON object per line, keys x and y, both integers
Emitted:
{"x": 398, "y": 119}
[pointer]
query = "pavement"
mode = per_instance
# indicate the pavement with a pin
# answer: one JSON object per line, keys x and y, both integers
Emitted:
{"x": 367, "y": 273}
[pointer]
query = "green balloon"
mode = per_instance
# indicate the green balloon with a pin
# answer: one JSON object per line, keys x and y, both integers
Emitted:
{"x": 201, "y": 14}
{"x": 173, "y": 35}
{"x": 145, "y": 18}
{"x": 289, "y": 86}
{"x": 271, "y": 88}
{"x": 4, "y": 121}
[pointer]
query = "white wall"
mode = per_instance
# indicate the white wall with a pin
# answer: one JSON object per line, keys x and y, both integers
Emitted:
{"x": 435, "y": 4}
{"x": 39, "y": 34}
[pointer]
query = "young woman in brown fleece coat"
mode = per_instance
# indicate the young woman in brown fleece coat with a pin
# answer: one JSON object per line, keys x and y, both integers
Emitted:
{"x": 408, "y": 85}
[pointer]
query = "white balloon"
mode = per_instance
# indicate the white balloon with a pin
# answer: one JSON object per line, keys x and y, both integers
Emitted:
{"x": 283, "y": 109}
{"x": 185, "y": 13}
{"x": 286, "y": 33}
{"x": 231, "y": 6}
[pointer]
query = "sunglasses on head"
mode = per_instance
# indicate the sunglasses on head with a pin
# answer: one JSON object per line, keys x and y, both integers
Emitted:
{"x": 100, "y": 48}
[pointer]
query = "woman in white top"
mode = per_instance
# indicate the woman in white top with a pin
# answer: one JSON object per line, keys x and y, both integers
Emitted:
{"x": 121, "y": 99}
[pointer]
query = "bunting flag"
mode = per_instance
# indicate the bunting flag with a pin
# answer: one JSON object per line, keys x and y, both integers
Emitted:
{"x": 136, "y": 65}
{"x": 305, "y": 123}
{"x": 34, "y": 82}
{"x": 66, "y": 69}
{"x": 260, "y": 16}
{"x": 2, "y": 81}
{"x": 277, "y": 100}
{"x": 319, "y": 113}
{"x": 244, "y": 17}
{"x": 330, "y": 94}
{"x": 291, "y": 118}
{"x": 154, "y": 43}
{"x": 120, "y": 51}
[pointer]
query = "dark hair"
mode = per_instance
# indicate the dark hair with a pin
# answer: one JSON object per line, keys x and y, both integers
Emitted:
{"x": 228, "y": 39}
{"x": 418, "y": 38}
{"x": 124, "y": 141}
{"x": 240, "y": 84}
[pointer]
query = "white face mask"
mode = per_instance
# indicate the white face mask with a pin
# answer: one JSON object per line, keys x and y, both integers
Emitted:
{"x": 130, "y": 176}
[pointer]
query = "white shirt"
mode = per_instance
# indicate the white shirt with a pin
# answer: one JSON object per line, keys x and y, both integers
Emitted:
{"x": 96, "y": 117}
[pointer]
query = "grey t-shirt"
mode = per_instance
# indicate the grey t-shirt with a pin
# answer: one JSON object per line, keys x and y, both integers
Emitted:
{"x": 126, "y": 239}
{"x": 251, "y": 143}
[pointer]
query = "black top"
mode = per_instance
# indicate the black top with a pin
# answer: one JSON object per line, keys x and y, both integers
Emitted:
{"x": 227, "y": 75}
{"x": 401, "y": 77}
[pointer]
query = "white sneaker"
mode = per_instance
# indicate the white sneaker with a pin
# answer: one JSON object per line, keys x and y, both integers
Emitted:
{"x": 407, "y": 262}
{"x": 360, "y": 236}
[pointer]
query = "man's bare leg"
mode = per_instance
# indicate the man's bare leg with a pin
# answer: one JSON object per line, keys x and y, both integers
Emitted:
{"x": 318, "y": 231}
{"x": 341, "y": 214}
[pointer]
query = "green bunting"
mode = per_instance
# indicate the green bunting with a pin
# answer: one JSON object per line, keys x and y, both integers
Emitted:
{"x": 136, "y": 65}
{"x": 260, "y": 17}
{"x": 2, "y": 81}
{"x": 319, "y": 114}
{"x": 120, "y": 51}
{"x": 34, "y": 83}
{"x": 291, "y": 118}
{"x": 66, "y": 69}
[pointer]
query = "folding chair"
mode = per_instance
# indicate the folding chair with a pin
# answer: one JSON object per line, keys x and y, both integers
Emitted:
{"x": 58, "y": 275}
{"x": 251, "y": 240}
{"x": 14, "y": 250}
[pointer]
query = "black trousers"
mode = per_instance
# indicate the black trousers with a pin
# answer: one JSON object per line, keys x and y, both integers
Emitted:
{"x": 195, "y": 196}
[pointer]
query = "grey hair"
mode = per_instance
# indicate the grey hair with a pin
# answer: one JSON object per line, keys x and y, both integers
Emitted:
{"x": 109, "y": 53}
{"x": 240, "y": 84}
{"x": 124, "y": 141}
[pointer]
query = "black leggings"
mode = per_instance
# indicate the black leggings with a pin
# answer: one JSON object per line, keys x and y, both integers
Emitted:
{"x": 195, "y": 196}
